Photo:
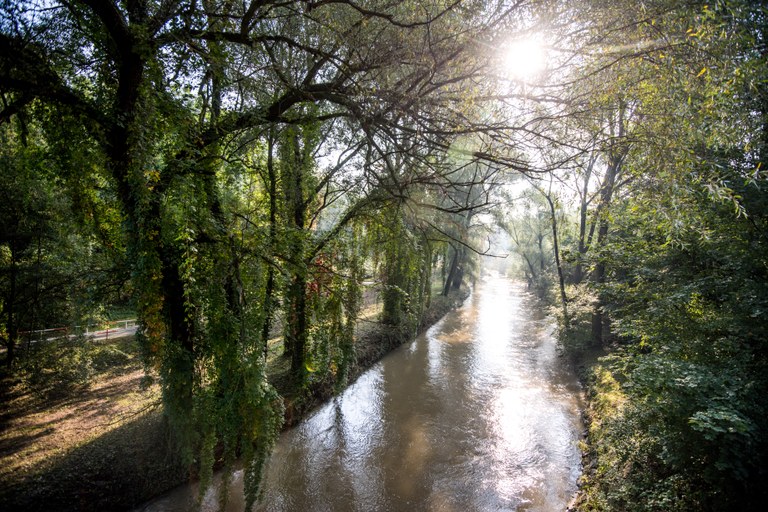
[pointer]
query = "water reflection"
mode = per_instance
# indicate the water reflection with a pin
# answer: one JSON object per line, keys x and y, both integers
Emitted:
{"x": 476, "y": 414}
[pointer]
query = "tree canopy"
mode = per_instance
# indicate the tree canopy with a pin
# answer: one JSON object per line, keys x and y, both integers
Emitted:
{"x": 239, "y": 155}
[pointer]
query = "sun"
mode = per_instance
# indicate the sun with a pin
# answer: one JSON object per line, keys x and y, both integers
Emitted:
{"x": 524, "y": 59}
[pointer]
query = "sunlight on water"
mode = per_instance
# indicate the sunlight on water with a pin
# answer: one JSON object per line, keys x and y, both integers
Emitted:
{"x": 476, "y": 414}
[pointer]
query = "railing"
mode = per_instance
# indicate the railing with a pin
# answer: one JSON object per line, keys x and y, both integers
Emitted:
{"x": 103, "y": 329}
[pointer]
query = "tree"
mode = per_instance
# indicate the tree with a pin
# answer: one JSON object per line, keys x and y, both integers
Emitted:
{"x": 60, "y": 258}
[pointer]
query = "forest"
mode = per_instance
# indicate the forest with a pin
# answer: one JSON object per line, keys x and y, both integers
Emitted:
{"x": 241, "y": 176}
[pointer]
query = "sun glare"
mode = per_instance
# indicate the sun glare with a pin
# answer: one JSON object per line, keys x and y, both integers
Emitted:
{"x": 524, "y": 59}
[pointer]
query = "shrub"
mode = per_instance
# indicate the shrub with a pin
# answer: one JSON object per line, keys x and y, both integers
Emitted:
{"x": 54, "y": 369}
{"x": 106, "y": 357}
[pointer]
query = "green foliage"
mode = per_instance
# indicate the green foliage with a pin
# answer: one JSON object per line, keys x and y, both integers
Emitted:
{"x": 58, "y": 368}
{"x": 219, "y": 396}
{"x": 53, "y": 269}
{"x": 406, "y": 259}
{"x": 689, "y": 313}
{"x": 678, "y": 408}
{"x": 106, "y": 357}
{"x": 685, "y": 436}
{"x": 334, "y": 303}
{"x": 575, "y": 332}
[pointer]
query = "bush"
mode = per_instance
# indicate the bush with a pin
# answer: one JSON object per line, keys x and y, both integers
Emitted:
{"x": 575, "y": 336}
{"x": 106, "y": 357}
{"x": 54, "y": 369}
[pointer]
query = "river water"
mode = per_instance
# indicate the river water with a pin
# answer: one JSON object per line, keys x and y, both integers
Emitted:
{"x": 477, "y": 414}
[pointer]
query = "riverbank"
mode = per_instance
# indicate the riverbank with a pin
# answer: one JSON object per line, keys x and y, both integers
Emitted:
{"x": 586, "y": 364}
{"x": 620, "y": 448}
{"x": 107, "y": 446}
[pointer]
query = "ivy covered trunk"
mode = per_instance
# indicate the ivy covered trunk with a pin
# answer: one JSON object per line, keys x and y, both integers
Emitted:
{"x": 271, "y": 286}
{"x": 400, "y": 276}
{"x": 296, "y": 334}
{"x": 296, "y": 146}
{"x": 393, "y": 312}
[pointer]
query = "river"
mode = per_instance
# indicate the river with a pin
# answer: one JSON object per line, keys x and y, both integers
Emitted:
{"x": 477, "y": 414}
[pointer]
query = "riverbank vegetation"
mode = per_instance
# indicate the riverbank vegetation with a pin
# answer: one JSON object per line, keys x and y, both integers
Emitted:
{"x": 656, "y": 254}
{"x": 239, "y": 172}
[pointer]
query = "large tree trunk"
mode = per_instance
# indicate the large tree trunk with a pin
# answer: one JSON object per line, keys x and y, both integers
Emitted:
{"x": 296, "y": 333}
{"x": 394, "y": 285}
{"x": 269, "y": 290}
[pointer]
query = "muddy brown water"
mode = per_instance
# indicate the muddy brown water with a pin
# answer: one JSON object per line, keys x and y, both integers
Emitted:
{"x": 477, "y": 414}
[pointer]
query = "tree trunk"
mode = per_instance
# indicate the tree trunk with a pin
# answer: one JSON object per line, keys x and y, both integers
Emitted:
{"x": 269, "y": 291}
{"x": 533, "y": 277}
{"x": 296, "y": 335}
{"x": 392, "y": 311}
{"x": 556, "y": 246}
{"x": 296, "y": 332}
{"x": 448, "y": 286}
{"x": 578, "y": 272}
{"x": 427, "y": 281}
{"x": 598, "y": 275}
{"x": 10, "y": 304}
{"x": 458, "y": 277}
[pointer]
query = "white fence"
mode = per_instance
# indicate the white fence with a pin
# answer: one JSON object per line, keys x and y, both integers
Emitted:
{"x": 104, "y": 330}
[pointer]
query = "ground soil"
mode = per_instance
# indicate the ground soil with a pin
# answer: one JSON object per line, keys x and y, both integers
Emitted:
{"x": 35, "y": 429}
{"x": 106, "y": 446}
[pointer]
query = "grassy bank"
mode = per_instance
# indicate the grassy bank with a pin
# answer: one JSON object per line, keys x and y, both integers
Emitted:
{"x": 106, "y": 445}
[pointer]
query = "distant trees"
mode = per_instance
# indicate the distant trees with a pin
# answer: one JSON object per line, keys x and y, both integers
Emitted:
{"x": 54, "y": 268}
{"x": 530, "y": 236}
{"x": 27, "y": 236}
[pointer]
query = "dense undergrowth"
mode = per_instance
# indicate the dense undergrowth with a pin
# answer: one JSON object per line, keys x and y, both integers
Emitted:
{"x": 677, "y": 402}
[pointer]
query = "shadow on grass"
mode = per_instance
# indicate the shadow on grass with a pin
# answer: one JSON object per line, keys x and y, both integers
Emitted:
{"x": 23, "y": 400}
{"x": 116, "y": 471}
{"x": 16, "y": 443}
